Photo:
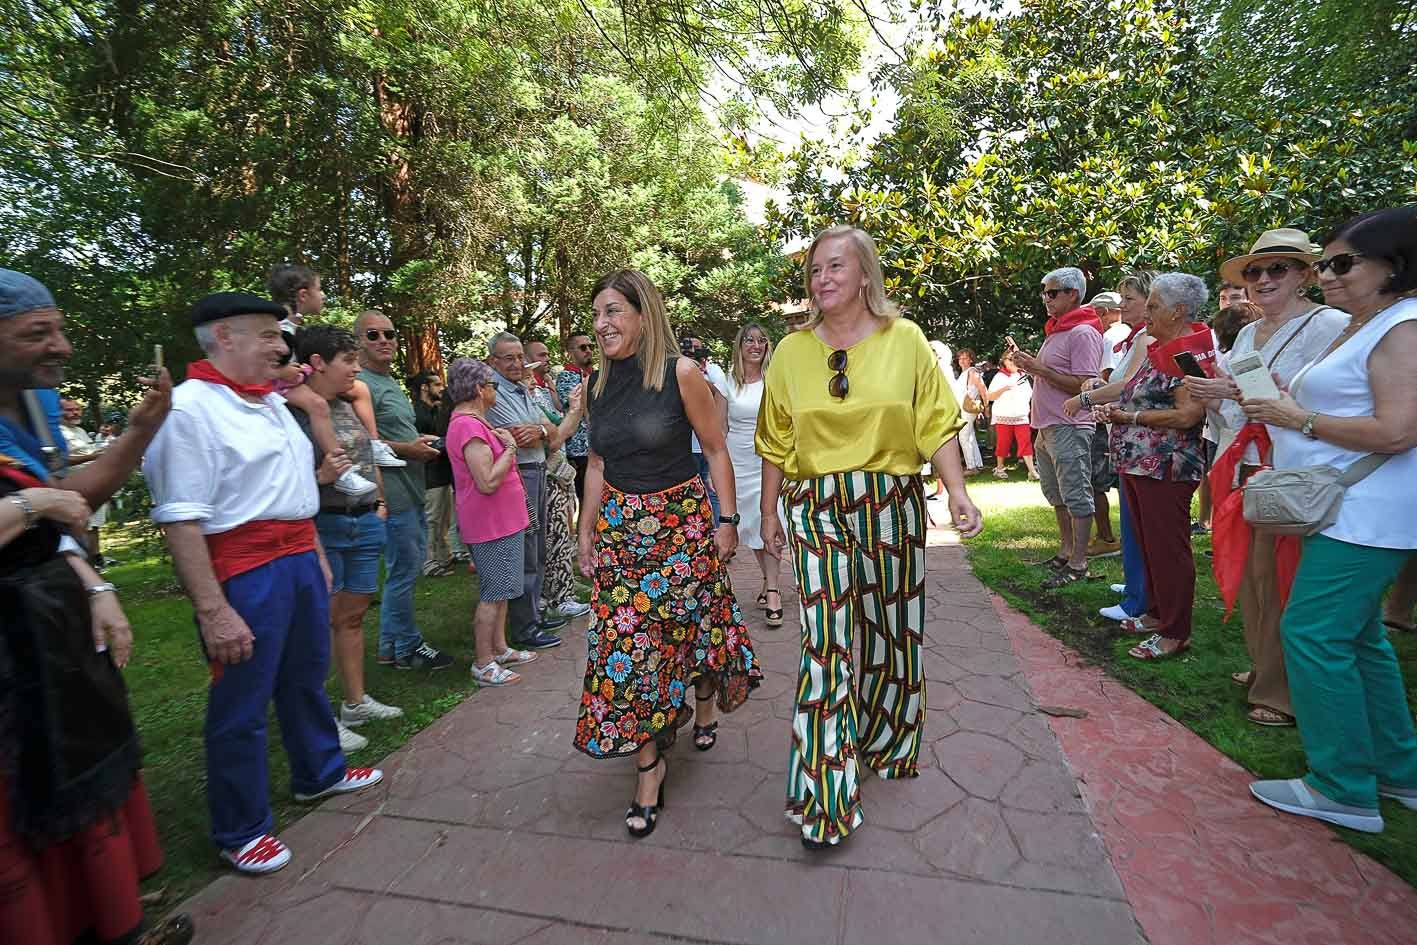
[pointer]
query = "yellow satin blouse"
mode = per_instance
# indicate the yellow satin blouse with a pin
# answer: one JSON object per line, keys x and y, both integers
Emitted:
{"x": 898, "y": 412}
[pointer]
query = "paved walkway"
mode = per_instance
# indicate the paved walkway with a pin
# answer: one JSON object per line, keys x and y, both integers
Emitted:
{"x": 491, "y": 829}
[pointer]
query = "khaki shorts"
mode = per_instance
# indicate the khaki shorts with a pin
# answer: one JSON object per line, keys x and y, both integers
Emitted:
{"x": 1064, "y": 457}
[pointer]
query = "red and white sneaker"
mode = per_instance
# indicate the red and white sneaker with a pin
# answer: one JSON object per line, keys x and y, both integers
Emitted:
{"x": 355, "y": 779}
{"x": 265, "y": 854}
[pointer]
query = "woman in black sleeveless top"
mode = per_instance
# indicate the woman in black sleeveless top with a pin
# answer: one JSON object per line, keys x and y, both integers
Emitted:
{"x": 663, "y": 616}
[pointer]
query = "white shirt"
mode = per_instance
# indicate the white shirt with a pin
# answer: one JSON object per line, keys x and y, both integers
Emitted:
{"x": 1011, "y": 409}
{"x": 1318, "y": 333}
{"x": 224, "y": 461}
{"x": 1111, "y": 360}
{"x": 1380, "y": 511}
{"x": 719, "y": 381}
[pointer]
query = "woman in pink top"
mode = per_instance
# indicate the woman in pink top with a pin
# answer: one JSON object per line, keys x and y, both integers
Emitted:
{"x": 492, "y": 514}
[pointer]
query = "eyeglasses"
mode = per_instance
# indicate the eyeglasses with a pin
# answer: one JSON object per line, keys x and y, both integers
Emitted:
{"x": 839, "y": 386}
{"x": 388, "y": 334}
{"x": 1051, "y": 294}
{"x": 1276, "y": 270}
{"x": 1340, "y": 264}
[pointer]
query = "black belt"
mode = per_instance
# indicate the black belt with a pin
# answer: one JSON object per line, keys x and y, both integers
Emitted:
{"x": 351, "y": 512}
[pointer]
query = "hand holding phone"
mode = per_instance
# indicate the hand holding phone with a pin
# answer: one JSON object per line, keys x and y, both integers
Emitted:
{"x": 1189, "y": 365}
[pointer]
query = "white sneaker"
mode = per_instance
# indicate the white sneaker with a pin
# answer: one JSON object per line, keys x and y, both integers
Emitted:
{"x": 1115, "y": 612}
{"x": 384, "y": 456}
{"x": 573, "y": 609}
{"x": 1119, "y": 588}
{"x": 349, "y": 741}
{"x": 370, "y": 710}
{"x": 351, "y": 483}
{"x": 355, "y": 779}
{"x": 265, "y": 854}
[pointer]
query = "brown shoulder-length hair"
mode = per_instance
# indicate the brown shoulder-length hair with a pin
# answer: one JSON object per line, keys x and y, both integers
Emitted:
{"x": 736, "y": 369}
{"x": 865, "y": 248}
{"x": 657, "y": 345}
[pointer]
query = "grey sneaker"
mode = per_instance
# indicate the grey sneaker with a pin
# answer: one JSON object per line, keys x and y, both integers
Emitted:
{"x": 1405, "y": 796}
{"x": 1293, "y": 796}
{"x": 350, "y": 741}
{"x": 370, "y": 710}
{"x": 573, "y": 609}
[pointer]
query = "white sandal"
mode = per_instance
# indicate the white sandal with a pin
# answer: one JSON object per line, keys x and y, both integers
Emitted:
{"x": 515, "y": 657}
{"x": 494, "y": 675}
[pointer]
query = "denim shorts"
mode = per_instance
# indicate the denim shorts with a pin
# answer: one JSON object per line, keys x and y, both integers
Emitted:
{"x": 352, "y": 544}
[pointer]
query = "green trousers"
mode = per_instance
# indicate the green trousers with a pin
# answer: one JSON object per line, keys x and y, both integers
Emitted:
{"x": 1343, "y": 675}
{"x": 858, "y": 550}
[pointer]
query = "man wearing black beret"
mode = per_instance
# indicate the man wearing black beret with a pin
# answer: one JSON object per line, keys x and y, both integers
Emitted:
{"x": 233, "y": 489}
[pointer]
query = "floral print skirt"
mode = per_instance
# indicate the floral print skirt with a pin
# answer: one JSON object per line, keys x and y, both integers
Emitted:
{"x": 663, "y": 616}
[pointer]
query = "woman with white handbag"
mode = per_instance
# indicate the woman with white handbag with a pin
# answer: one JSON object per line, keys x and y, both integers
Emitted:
{"x": 1354, "y": 401}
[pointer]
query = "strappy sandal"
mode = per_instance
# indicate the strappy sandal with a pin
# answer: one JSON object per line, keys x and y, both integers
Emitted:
{"x": 1393, "y": 624}
{"x": 515, "y": 657}
{"x": 1064, "y": 576}
{"x": 1053, "y": 563}
{"x": 1242, "y": 679}
{"x": 1137, "y": 625}
{"x": 774, "y": 616}
{"x": 494, "y": 675}
{"x": 648, "y": 813}
{"x": 763, "y": 598}
{"x": 1270, "y": 718}
{"x": 1149, "y": 650}
{"x": 708, "y": 732}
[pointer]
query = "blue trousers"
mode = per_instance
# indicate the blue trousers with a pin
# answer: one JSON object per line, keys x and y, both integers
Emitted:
{"x": 405, "y": 550}
{"x": 1137, "y": 601}
{"x": 287, "y": 607}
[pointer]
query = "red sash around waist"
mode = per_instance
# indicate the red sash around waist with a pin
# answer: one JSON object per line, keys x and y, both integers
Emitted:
{"x": 247, "y": 547}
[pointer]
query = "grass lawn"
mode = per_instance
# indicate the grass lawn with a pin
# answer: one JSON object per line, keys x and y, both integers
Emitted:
{"x": 1194, "y": 689}
{"x": 167, "y": 686}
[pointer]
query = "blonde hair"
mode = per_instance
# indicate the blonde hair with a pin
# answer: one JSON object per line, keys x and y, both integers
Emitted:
{"x": 737, "y": 370}
{"x": 657, "y": 345}
{"x": 875, "y": 295}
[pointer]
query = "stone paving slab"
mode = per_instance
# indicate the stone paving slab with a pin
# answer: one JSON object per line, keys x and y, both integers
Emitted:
{"x": 1202, "y": 861}
{"x": 490, "y": 828}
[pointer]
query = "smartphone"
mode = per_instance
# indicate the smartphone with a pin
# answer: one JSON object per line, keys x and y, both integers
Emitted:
{"x": 1009, "y": 340}
{"x": 439, "y": 445}
{"x": 1253, "y": 378}
{"x": 1189, "y": 365}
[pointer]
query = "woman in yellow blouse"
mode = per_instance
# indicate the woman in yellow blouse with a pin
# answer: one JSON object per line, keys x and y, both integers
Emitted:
{"x": 854, "y": 403}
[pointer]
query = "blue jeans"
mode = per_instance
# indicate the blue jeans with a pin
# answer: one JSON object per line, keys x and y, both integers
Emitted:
{"x": 405, "y": 550}
{"x": 1137, "y": 601}
{"x": 703, "y": 465}
{"x": 352, "y": 546}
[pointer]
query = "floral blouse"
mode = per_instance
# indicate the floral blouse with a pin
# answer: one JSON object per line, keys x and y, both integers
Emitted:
{"x": 1155, "y": 452}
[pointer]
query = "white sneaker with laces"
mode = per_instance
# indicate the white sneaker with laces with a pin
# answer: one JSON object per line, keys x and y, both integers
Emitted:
{"x": 351, "y": 483}
{"x": 384, "y": 455}
{"x": 573, "y": 609}
{"x": 370, "y": 710}
{"x": 350, "y": 741}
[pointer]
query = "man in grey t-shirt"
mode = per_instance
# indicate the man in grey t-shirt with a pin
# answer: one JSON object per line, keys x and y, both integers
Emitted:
{"x": 400, "y": 642}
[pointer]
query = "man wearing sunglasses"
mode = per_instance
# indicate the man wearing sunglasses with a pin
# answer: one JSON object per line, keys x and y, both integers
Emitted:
{"x": 1071, "y": 354}
{"x": 580, "y": 354}
{"x": 401, "y": 644}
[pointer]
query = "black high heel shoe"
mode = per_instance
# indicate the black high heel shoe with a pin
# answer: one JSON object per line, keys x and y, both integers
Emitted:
{"x": 707, "y": 732}
{"x": 774, "y": 616}
{"x": 648, "y": 813}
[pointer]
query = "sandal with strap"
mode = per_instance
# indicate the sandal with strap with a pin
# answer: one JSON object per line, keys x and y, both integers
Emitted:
{"x": 1053, "y": 563}
{"x": 1137, "y": 625}
{"x": 1270, "y": 718}
{"x": 1393, "y": 623}
{"x": 707, "y": 732}
{"x": 1242, "y": 679}
{"x": 1064, "y": 576}
{"x": 1150, "y": 649}
{"x": 494, "y": 675}
{"x": 774, "y": 617}
{"x": 513, "y": 657}
{"x": 649, "y": 813}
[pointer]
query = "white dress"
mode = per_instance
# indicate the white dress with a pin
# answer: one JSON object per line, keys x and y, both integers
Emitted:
{"x": 743, "y": 405}
{"x": 968, "y": 442}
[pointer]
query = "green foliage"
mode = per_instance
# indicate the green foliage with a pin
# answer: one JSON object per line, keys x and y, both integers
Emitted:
{"x": 1113, "y": 134}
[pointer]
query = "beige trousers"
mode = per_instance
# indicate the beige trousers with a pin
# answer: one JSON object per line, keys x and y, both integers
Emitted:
{"x": 1259, "y": 606}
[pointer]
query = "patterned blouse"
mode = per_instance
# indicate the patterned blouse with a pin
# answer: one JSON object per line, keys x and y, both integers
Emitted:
{"x": 1155, "y": 452}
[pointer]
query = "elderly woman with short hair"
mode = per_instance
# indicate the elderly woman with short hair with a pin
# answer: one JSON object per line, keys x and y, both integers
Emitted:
{"x": 1156, "y": 439}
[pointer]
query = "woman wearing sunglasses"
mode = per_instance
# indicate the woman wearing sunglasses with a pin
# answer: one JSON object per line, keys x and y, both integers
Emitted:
{"x": 1291, "y": 332}
{"x": 664, "y": 623}
{"x": 1355, "y": 400}
{"x": 853, "y": 405}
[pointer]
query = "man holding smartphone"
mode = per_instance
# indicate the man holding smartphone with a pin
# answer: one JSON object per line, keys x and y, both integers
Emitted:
{"x": 1071, "y": 354}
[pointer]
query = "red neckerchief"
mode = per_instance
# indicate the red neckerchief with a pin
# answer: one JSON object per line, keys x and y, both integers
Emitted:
{"x": 204, "y": 370}
{"x": 1086, "y": 315}
{"x": 1006, "y": 372}
{"x": 1126, "y": 342}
